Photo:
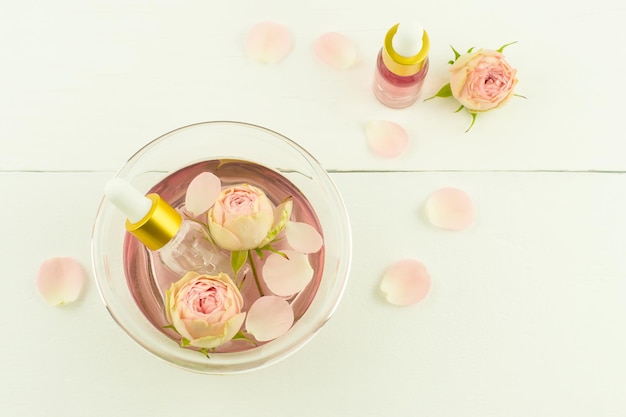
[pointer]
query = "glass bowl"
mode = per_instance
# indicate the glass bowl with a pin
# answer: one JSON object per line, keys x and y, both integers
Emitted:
{"x": 223, "y": 140}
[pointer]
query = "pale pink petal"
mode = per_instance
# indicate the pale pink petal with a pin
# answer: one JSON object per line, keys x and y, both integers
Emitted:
{"x": 450, "y": 208}
{"x": 229, "y": 331}
{"x": 60, "y": 280}
{"x": 302, "y": 237}
{"x": 284, "y": 276}
{"x": 202, "y": 193}
{"x": 268, "y": 318}
{"x": 386, "y": 138}
{"x": 268, "y": 42}
{"x": 180, "y": 325}
{"x": 336, "y": 50}
{"x": 406, "y": 282}
{"x": 223, "y": 237}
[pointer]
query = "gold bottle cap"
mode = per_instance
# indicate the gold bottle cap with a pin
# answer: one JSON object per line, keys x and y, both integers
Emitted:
{"x": 401, "y": 65}
{"x": 159, "y": 226}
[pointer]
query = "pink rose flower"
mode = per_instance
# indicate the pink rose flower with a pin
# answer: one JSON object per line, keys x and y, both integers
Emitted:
{"x": 205, "y": 310}
{"x": 241, "y": 218}
{"x": 482, "y": 80}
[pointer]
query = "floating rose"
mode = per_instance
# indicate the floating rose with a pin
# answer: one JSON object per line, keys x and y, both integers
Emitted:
{"x": 205, "y": 310}
{"x": 480, "y": 80}
{"x": 241, "y": 218}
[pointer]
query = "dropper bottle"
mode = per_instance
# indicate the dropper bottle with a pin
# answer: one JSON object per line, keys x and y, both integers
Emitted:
{"x": 181, "y": 244}
{"x": 402, "y": 65}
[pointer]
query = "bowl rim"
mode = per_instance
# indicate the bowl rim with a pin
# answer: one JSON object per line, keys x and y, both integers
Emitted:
{"x": 343, "y": 270}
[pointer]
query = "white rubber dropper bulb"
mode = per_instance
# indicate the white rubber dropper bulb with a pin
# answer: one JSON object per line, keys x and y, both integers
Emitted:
{"x": 127, "y": 199}
{"x": 407, "y": 41}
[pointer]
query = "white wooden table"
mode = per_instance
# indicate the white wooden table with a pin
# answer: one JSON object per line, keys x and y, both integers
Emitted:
{"x": 527, "y": 310}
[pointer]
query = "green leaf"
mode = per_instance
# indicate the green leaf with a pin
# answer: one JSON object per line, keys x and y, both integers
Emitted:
{"x": 451, "y": 62}
{"x": 519, "y": 95}
{"x": 237, "y": 259}
{"x": 283, "y": 254}
{"x": 185, "y": 342}
{"x": 240, "y": 335}
{"x": 171, "y": 327}
{"x": 504, "y": 46}
{"x": 240, "y": 285}
{"x": 259, "y": 252}
{"x": 284, "y": 209}
{"x": 474, "y": 115}
{"x": 459, "y": 109}
{"x": 469, "y": 51}
{"x": 205, "y": 352}
{"x": 456, "y": 53}
{"x": 445, "y": 91}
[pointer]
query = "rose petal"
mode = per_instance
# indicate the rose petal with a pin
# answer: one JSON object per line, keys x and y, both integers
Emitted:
{"x": 386, "y": 138}
{"x": 202, "y": 193}
{"x": 268, "y": 42}
{"x": 231, "y": 328}
{"x": 406, "y": 282}
{"x": 285, "y": 277}
{"x": 450, "y": 208}
{"x": 180, "y": 325}
{"x": 223, "y": 237}
{"x": 336, "y": 50}
{"x": 268, "y": 318}
{"x": 303, "y": 237}
{"x": 60, "y": 280}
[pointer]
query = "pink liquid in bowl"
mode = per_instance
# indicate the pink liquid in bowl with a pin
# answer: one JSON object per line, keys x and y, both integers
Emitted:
{"x": 148, "y": 279}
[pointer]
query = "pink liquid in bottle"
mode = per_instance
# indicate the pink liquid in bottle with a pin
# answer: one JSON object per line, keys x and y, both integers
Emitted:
{"x": 397, "y": 91}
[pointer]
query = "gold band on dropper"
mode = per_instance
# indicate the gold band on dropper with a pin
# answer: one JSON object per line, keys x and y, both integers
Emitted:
{"x": 399, "y": 64}
{"x": 159, "y": 226}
